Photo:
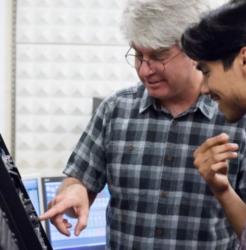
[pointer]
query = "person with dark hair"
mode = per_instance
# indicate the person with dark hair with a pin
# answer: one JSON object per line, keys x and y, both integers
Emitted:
{"x": 218, "y": 43}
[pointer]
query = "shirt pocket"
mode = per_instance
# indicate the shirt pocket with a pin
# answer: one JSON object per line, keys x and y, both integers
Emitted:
{"x": 134, "y": 166}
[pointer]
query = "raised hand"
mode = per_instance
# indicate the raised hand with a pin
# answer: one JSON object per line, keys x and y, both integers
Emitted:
{"x": 211, "y": 160}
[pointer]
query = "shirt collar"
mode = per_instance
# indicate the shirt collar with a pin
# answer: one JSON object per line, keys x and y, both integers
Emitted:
{"x": 146, "y": 102}
{"x": 204, "y": 103}
{"x": 207, "y": 106}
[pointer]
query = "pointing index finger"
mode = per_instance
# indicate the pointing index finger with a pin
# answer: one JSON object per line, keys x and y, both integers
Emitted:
{"x": 58, "y": 208}
{"x": 49, "y": 214}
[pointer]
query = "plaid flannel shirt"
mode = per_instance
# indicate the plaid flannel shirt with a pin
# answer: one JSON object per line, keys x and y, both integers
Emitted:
{"x": 243, "y": 239}
{"x": 158, "y": 199}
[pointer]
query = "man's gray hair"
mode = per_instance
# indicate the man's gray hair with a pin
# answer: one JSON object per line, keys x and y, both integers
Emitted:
{"x": 160, "y": 23}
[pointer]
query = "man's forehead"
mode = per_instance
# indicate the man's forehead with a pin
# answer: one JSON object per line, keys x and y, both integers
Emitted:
{"x": 150, "y": 50}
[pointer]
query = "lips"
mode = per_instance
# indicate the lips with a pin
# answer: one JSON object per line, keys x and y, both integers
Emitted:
{"x": 154, "y": 82}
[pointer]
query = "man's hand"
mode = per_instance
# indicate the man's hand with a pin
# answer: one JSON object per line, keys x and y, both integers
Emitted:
{"x": 211, "y": 160}
{"x": 72, "y": 199}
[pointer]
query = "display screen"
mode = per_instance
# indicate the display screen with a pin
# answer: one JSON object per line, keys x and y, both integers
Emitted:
{"x": 32, "y": 187}
{"x": 93, "y": 237}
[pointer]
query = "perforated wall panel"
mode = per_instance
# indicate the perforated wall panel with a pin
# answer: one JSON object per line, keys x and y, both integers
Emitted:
{"x": 68, "y": 51}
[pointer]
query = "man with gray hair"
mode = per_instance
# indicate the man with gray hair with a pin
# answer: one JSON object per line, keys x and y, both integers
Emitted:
{"x": 158, "y": 24}
{"x": 140, "y": 143}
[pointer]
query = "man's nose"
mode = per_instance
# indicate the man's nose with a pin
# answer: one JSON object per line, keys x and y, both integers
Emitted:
{"x": 145, "y": 68}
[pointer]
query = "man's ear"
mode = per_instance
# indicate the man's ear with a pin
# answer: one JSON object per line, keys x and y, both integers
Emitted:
{"x": 242, "y": 56}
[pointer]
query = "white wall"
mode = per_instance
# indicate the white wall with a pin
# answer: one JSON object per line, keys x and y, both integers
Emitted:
{"x": 5, "y": 69}
{"x": 2, "y": 66}
{"x": 68, "y": 52}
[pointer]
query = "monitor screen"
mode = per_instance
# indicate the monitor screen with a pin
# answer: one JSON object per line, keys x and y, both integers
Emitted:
{"x": 93, "y": 237}
{"x": 33, "y": 186}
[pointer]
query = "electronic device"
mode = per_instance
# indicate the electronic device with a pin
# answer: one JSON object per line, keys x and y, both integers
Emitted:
{"x": 93, "y": 237}
{"x": 20, "y": 228}
{"x": 33, "y": 187}
{"x": 96, "y": 102}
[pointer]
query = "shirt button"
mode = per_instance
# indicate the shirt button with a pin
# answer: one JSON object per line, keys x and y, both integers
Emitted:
{"x": 163, "y": 194}
{"x": 174, "y": 123}
{"x": 130, "y": 147}
{"x": 169, "y": 157}
{"x": 158, "y": 232}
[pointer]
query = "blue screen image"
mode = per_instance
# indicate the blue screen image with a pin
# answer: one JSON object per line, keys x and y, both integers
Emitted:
{"x": 93, "y": 237}
{"x": 32, "y": 189}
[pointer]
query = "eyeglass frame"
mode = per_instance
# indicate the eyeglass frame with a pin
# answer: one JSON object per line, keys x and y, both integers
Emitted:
{"x": 164, "y": 62}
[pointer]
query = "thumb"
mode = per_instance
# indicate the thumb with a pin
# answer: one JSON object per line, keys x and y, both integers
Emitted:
{"x": 82, "y": 221}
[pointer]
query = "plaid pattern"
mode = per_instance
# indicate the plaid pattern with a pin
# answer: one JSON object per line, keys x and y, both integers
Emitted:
{"x": 243, "y": 240}
{"x": 158, "y": 199}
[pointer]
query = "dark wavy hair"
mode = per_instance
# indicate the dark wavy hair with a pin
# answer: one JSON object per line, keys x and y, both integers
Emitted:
{"x": 219, "y": 35}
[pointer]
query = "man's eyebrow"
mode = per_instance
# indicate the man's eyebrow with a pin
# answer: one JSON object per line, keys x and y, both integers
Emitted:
{"x": 161, "y": 51}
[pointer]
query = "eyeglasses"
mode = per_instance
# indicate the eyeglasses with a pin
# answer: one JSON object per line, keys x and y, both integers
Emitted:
{"x": 158, "y": 58}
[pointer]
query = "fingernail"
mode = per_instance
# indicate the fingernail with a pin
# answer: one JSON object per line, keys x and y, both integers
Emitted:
{"x": 224, "y": 135}
{"x": 235, "y": 145}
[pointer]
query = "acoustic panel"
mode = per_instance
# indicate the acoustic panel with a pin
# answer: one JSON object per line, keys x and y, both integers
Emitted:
{"x": 69, "y": 52}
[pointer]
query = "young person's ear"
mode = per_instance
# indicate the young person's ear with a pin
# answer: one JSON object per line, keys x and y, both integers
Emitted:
{"x": 242, "y": 61}
{"x": 243, "y": 56}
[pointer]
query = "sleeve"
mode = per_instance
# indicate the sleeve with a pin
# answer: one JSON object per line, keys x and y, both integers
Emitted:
{"x": 243, "y": 239}
{"x": 241, "y": 176}
{"x": 87, "y": 162}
